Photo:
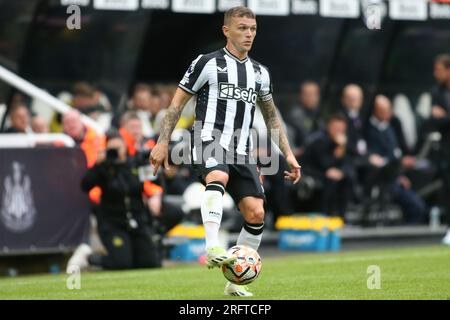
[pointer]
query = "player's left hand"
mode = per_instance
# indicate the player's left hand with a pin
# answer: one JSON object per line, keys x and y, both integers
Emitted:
{"x": 295, "y": 174}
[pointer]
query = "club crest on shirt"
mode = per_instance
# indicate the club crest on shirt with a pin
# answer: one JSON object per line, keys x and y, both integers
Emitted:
{"x": 191, "y": 68}
{"x": 189, "y": 71}
{"x": 258, "y": 77}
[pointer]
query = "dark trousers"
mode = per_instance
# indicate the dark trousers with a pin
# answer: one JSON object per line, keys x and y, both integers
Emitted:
{"x": 414, "y": 209}
{"x": 171, "y": 215}
{"x": 336, "y": 196}
{"x": 279, "y": 196}
{"x": 127, "y": 248}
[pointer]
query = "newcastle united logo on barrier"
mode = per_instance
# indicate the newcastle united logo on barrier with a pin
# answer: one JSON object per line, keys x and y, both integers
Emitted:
{"x": 17, "y": 211}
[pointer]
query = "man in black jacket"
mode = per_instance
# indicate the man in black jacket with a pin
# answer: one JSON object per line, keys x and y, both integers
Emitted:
{"x": 327, "y": 160}
{"x": 304, "y": 117}
{"x": 122, "y": 219}
{"x": 351, "y": 103}
{"x": 440, "y": 120}
{"x": 387, "y": 160}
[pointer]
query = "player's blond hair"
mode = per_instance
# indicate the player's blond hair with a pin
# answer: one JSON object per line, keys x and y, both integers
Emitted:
{"x": 239, "y": 11}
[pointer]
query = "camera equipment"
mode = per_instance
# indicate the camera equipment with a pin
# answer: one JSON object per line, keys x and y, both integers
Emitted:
{"x": 142, "y": 158}
{"x": 112, "y": 154}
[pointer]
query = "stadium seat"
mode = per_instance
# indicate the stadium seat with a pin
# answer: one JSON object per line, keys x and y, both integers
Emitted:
{"x": 404, "y": 112}
{"x": 423, "y": 107}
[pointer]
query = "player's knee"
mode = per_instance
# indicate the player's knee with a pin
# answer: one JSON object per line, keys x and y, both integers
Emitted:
{"x": 255, "y": 214}
{"x": 217, "y": 175}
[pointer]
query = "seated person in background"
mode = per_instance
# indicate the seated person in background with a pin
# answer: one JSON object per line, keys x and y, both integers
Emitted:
{"x": 326, "y": 159}
{"x": 351, "y": 103}
{"x": 20, "y": 119}
{"x": 386, "y": 160}
{"x": 141, "y": 102}
{"x": 132, "y": 131}
{"x": 85, "y": 99}
{"x": 166, "y": 93}
{"x": 304, "y": 117}
{"x": 86, "y": 138}
{"x": 146, "y": 101}
{"x": 139, "y": 147}
{"x": 122, "y": 219}
{"x": 39, "y": 124}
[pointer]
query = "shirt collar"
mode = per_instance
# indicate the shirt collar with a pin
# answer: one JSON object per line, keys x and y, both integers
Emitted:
{"x": 380, "y": 125}
{"x": 234, "y": 57}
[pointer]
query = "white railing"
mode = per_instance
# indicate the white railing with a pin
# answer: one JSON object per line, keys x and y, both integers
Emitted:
{"x": 29, "y": 140}
{"x": 39, "y": 94}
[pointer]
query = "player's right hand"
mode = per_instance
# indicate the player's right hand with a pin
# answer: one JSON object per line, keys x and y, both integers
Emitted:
{"x": 295, "y": 174}
{"x": 159, "y": 155}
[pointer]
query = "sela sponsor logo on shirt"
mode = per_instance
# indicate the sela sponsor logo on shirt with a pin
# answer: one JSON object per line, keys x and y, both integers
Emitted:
{"x": 230, "y": 91}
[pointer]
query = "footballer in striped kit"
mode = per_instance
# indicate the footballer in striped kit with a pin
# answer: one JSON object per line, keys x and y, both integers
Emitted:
{"x": 228, "y": 84}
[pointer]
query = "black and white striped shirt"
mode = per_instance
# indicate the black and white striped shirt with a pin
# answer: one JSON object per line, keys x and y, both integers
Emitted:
{"x": 227, "y": 89}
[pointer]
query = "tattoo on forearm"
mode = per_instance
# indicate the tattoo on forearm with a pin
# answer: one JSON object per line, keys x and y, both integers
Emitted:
{"x": 274, "y": 126}
{"x": 169, "y": 122}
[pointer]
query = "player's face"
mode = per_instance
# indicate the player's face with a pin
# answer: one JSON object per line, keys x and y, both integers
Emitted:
{"x": 241, "y": 32}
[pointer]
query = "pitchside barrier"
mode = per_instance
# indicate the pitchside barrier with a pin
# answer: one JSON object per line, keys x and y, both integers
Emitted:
{"x": 187, "y": 241}
{"x": 312, "y": 232}
{"x": 42, "y": 207}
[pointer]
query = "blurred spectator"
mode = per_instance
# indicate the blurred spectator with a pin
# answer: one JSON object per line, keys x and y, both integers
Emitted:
{"x": 166, "y": 92}
{"x": 39, "y": 124}
{"x": 326, "y": 158}
{"x": 131, "y": 129}
{"x": 440, "y": 120}
{"x": 165, "y": 214}
{"x": 88, "y": 139}
{"x": 122, "y": 219}
{"x": 146, "y": 104}
{"x": 163, "y": 94}
{"x": 351, "y": 103}
{"x": 304, "y": 117}
{"x": 87, "y": 100}
{"x": 19, "y": 119}
{"x": 141, "y": 103}
{"x": 178, "y": 178}
{"x": 386, "y": 159}
{"x": 157, "y": 110}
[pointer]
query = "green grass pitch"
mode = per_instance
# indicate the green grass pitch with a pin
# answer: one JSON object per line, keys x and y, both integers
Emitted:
{"x": 406, "y": 273}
